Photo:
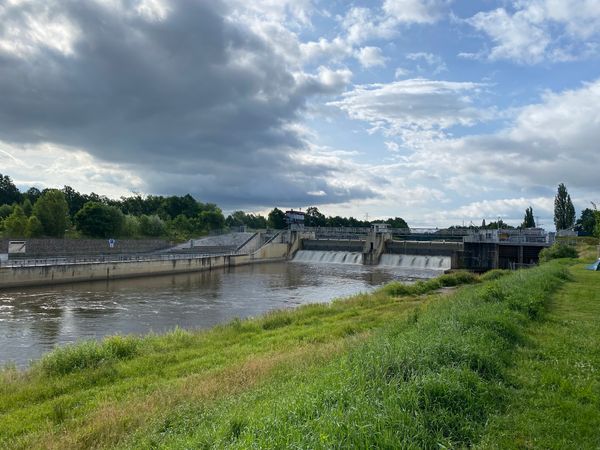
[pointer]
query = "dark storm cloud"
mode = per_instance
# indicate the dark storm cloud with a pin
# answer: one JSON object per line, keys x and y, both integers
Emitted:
{"x": 195, "y": 102}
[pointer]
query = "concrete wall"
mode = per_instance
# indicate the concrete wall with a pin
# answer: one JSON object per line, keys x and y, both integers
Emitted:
{"x": 69, "y": 273}
{"x": 431, "y": 248}
{"x": 68, "y": 247}
{"x": 333, "y": 245}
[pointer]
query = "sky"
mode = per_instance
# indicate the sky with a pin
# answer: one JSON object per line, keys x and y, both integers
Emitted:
{"x": 438, "y": 111}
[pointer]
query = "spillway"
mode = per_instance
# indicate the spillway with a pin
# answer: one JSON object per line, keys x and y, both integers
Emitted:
{"x": 416, "y": 262}
{"x": 328, "y": 257}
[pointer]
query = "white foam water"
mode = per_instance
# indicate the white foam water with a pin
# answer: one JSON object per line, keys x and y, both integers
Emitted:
{"x": 415, "y": 262}
{"x": 327, "y": 257}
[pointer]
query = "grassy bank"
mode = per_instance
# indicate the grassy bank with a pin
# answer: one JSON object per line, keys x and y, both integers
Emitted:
{"x": 404, "y": 367}
{"x": 556, "y": 375}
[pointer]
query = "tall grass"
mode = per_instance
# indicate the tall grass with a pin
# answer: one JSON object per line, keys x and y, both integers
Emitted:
{"x": 89, "y": 354}
{"x": 424, "y": 287}
{"x": 392, "y": 373}
{"x": 430, "y": 383}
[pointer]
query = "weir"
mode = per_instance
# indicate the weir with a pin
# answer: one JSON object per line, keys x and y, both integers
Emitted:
{"x": 331, "y": 257}
{"x": 416, "y": 262}
{"x": 436, "y": 263}
{"x": 479, "y": 251}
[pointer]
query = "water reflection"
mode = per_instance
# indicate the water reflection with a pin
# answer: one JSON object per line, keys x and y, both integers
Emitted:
{"x": 34, "y": 320}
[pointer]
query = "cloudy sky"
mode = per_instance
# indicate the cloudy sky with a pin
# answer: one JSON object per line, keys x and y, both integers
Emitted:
{"x": 438, "y": 111}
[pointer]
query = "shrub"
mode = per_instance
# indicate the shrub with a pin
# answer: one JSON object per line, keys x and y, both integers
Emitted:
{"x": 558, "y": 250}
{"x": 89, "y": 354}
{"x": 494, "y": 274}
{"x": 423, "y": 287}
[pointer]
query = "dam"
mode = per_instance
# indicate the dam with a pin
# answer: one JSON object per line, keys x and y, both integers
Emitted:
{"x": 45, "y": 302}
{"x": 377, "y": 246}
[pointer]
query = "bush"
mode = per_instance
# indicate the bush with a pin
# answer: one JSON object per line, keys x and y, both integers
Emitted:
{"x": 494, "y": 274}
{"x": 423, "y": 287}
{"x": 89, "y": 354}
{"x": 558, "y": 250}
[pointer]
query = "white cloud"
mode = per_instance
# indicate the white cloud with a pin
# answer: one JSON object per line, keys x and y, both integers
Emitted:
{"x": 332, "y": 50}
{"x": 370, "y": 57}
{"x": 400, "y": 72}
{"x": 28, "y": 27}
{"x": 435, "y": 62}
{"x": 510, "y": 210}
{"x": 516, "y": 37}
{"x": 334, "y": 79}
{"x": 539, "y": 30}
{"x": 550, "y": 142}
{"x": 45, "y": 165}
{"x": 392, "y": 146}
{"x": 417, "y": 110}
{"x": 415, "y": 11}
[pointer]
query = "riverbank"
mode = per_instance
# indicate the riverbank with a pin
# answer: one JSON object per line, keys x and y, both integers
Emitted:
{"x": 399, "y": 367}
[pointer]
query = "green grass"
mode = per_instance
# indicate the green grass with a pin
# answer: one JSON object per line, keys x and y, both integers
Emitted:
{"x": 100, "y": 392}
{"x": 483, "y": 365}
{"x": 556, "y": 376}
{"x": 424, "y": 287}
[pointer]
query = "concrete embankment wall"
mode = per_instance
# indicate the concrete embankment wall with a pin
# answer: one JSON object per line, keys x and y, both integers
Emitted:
{"x": 69, "y": 273}
{"x": 68, "y": 247}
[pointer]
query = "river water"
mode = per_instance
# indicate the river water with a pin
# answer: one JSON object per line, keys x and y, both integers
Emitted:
{"x": 35, "y": 320}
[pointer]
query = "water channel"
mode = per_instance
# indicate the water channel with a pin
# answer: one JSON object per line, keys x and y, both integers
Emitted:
{"x": 35, "y": 320}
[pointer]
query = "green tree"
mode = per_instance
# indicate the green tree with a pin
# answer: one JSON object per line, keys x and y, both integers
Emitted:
{"x": 528, "y": 220}
{"x": 5, "y": 211}
{"x": 15, "y": 224}
{"x": 314, "y": 218}
{"x": 74, "y": 199}
{"x": 131, "y": 226}
{"x": 99, "y": 220}
{"x": 52, "y": 210}
{"x": 9, "y": 193}
{"x": 32, "y": 194}
{"x": 276, "y": 219}
{"x": 181, "y": 227}
{"x": 236, "y": 219}
{"x": 34, "y": 227}
{"x": 212, "y": 219}
{"x": 152, "y": 226}
{"x": 27, "y": 207}
{"x": 397, "y": 222}
{"x": 587, "y": 221}
{"x": 564, "y": 212}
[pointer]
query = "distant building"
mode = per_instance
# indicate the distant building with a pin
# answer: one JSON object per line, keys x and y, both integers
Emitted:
{"x": 294, "y": 219}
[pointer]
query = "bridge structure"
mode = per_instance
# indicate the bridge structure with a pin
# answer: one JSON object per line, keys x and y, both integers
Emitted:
{"x": 472, "y": 249}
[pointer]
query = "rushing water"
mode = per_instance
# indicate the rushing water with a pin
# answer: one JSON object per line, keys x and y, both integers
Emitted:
{"x": 35, "y": 320}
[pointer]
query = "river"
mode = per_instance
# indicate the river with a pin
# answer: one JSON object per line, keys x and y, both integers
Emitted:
{"x": 35, "y": 320}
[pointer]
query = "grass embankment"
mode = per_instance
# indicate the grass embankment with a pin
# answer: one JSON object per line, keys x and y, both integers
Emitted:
{"x": 556, "y": 376}
{"x": 373, "y": 371}
{"x": 96, "y": 394}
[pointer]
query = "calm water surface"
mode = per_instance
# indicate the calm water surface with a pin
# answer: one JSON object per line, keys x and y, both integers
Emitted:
{"x": 35, "y": 320}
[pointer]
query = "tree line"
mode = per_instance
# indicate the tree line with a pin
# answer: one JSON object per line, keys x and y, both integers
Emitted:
{"x": 60, "y": 212}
